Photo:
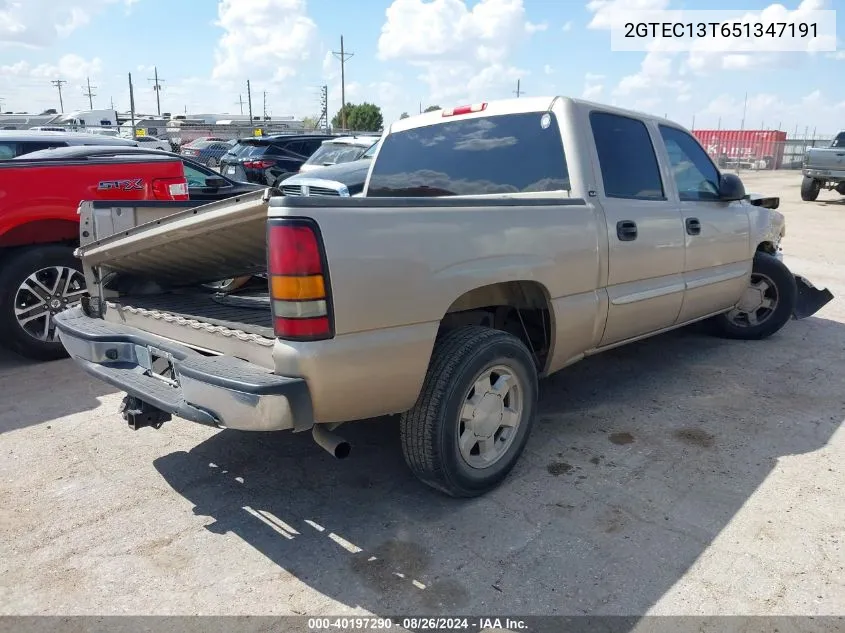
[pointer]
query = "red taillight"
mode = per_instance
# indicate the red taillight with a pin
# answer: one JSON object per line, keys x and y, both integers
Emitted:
{"x": 294, "y": 251}
{"x": 170, "y": 189}
{"x": 465, "y": 109}
{"x": 298, "y": 286}
{"x": 259, "y": 164}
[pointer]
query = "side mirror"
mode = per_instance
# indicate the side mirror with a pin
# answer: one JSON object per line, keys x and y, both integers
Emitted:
{"x": 731, "y": 188}
{"x": 215, "y": 183}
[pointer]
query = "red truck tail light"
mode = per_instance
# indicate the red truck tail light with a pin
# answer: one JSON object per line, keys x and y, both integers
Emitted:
{"x": 298, "y": 281}
{"x": 170, "y": 189}
{"x": 465, "y": 109}
{"x": 259, "y": 164}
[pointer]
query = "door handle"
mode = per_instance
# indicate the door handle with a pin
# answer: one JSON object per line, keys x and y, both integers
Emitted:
{"x": 693, "y": 226}
{"x": 626, "y": 230}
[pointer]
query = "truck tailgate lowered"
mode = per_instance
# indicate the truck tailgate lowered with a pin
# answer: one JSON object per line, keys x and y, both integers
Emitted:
{"x": 196, "y": 245}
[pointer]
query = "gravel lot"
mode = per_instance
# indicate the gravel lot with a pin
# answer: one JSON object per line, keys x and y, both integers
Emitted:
{"x": 680, "y": 475}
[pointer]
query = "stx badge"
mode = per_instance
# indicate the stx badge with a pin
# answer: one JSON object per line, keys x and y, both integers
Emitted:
{"x": 128, "y": 184}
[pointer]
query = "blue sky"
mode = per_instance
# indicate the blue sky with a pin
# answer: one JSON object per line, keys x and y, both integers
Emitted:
{"x": 406, "y": 53}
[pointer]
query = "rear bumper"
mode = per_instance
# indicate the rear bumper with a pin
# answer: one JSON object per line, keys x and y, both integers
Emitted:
{"x": 824, "y": 174}
{"x": 218, "y": 391}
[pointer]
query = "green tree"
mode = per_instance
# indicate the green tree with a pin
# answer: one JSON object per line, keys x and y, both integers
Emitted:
{"x": 404, "y": 115}
{"x": 337, "y": 121}
{"x": 432, "y": 108}
{"x": 365, "y": 117}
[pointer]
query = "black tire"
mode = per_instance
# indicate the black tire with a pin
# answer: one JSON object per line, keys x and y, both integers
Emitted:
{"x": 429, "y": 431}
{"x": 840, "y": 188}
{"x": 17, "y": 267}
{"x": 768, "y": 268}
{"x": 810, "y": 188}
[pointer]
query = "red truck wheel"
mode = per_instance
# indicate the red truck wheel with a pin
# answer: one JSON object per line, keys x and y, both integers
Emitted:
{"x": 35, "y": 284}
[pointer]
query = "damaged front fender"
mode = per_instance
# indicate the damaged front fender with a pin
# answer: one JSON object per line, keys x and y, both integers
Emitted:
{"x": 809, "y": 299}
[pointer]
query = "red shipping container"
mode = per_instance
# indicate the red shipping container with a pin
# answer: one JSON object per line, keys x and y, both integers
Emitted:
{"x": 761, "y": 149}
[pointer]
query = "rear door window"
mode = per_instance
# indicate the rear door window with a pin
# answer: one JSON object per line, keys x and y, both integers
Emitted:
{"x": 504, "y": 154}
{"x": 627, "y": 160}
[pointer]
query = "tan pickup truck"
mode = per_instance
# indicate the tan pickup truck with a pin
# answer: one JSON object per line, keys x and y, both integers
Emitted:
{"x": 495, "y": 244}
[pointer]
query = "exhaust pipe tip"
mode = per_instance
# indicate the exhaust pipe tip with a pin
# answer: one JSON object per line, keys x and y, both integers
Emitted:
{"x": 335, "y": 445}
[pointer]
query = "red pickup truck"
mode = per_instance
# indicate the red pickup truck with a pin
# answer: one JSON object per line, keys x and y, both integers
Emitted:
{"x": 39, "y": 229}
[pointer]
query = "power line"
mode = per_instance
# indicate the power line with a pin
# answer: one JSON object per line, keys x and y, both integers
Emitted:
{"x": 58, "y": 83}
{"x": 343, "y": 57}
{"x": 157, "y": 87}
{"x": 89, "y": 93}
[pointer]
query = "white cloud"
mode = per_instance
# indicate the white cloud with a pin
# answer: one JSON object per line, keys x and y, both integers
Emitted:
{"x": 606, "y": 12}
{"x": 768, "y": 110}
{"x": 567, "y": 26}
{"x": 39, "y": 23}
{"x": 593, "y": 86}
{"x": 837, "y": 55}
{"x": 461, "y": 52}
{"x": 548, "y": 70}
{"x": 263, "y": 39}
{"x": 28, "y": 86}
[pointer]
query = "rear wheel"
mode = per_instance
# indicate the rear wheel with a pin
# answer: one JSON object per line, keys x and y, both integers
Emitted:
{"x": 35, "y": 285}
{"x": 810, "y": 188}
{"x": 766, "y": 305}
{"x": 474, "y": 413}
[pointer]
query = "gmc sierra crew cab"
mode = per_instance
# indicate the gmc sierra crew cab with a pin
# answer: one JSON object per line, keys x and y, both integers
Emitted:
{"x": 39, "y": 228}
{"x": 495, "y": 244}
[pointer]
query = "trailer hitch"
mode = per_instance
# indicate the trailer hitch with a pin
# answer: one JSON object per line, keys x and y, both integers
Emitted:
{"x": 140, "y": 414}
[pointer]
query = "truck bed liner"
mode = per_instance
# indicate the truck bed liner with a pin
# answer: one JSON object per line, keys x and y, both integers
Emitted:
{"x": 207, "y": 308}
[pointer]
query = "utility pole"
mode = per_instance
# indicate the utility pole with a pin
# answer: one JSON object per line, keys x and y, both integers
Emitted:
{"x": 89, "y": 94}
{"x": 240, "y": 101}
{"x": 518, "y": 92}
{"x": 132, "y": 105}
{"x": 157, "y": 87}
{"x": 111, "y": 101}
{"x": 744, "y": 105}
{"x": 249, "y": 100}
{"x": 58, "y": 83}
{"x": 343, "y": 56}
{"x": 2, "y": 103}
{"x": 265, "y": 105}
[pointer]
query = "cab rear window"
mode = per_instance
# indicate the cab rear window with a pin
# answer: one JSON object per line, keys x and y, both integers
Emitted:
{"x": 504, "y": 154}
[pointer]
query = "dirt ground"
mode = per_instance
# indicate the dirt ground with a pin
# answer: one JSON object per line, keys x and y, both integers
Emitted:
{"x": 680, "y": 475}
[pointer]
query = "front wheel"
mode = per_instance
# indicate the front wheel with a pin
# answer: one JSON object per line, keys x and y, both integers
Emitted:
{"x": 765, "y": 306}
{"x": 474, "y": 413}
{"x": 840, "y": 188}
{"x": 810, "y": 188}
{"x": 35, "y": 285}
